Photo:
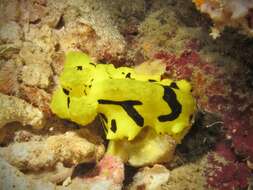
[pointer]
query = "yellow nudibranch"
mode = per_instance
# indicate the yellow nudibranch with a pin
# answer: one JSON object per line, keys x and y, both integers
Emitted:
{"x": 125, "y": 100}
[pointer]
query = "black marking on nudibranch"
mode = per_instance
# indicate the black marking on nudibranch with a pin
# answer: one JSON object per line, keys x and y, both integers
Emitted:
{"x": 174, "y": 85}
{"x": 65, "y": 91}
{"x": 176, "y": 108}
{"x": 128, "y": 106}
{"x": 93, "y": 64}
{"x": 128, "y": 75}
{"x": 79, "y": 68}
{"x": 113, "y": 125}
{"x": 151, "y": 80}
{"x": 68, "y": 101}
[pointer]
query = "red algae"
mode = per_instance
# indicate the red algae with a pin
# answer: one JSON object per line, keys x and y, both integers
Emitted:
{"x": 223, "y": 149}
{"x": 217, "y": 91}
{"x": 241, "y": 133}
{"x": 228, "y": 177}
{"x": 186, "y": 57}
{"x": 179, "y": 67}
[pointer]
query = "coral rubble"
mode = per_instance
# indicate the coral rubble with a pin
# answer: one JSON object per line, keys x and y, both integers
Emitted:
{"x": 68, "y": 148}
{"x": 233, "y": 13}
{"x": 15, "y": 109}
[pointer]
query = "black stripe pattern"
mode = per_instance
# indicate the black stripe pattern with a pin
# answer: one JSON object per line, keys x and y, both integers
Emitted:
{"x": 113, "y": 125}
{"x": 170, "y": 98}
{"x": 128, "y": 106}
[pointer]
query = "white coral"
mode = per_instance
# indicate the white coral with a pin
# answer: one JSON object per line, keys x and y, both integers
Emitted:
{"x": 14, "y": 109}
{"x": 69, "y": 148}
{"x": 235, "y": 13}
{"x": 151, "y": 178}
{"x": 11, "y": 178}
{"x": 36, "y": 75}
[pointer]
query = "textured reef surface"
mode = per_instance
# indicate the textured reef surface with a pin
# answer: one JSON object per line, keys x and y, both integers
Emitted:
{"x": 228, "y": 13}
{"x": 39, "y": 150}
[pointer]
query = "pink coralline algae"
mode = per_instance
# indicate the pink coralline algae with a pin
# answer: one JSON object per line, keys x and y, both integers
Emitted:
{"x": 240, "y": 131}
{"x": 113, "y": 168}
{"x": 180, "y": 67}
{"x": 224, "y": 150}
{"x": 110, "y": 168}
{"x": 229, "y": 177}
{"x": 226, "y": 176}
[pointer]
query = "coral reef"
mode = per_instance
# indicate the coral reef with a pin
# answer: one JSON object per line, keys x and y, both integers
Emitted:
{"x": 189, "y": 176}
{"x": 9, "y": 72}
{"x": 227, "y": 175}
{"x": 69, "y": 148}
{"x": 11, "y": 178}
{"x": 36, "y": 75}
{"x": 35, "y": 35}
{"x": 15, "y": 109}
{"x": 150, "y": 178}
{"x": 110, "y": 170}
{"x": 233, "y": 13}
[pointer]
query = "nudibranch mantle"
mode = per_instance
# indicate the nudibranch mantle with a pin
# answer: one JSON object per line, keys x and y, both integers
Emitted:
{"x": 125, "y": 100}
